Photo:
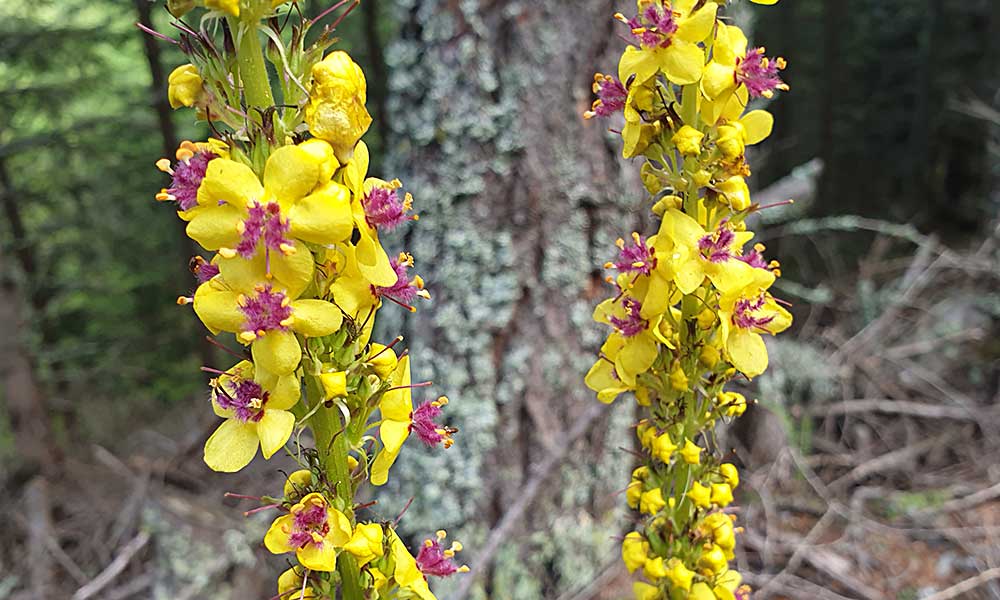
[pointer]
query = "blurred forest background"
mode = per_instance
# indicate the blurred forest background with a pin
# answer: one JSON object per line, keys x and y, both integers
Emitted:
{"x": 871, "y": 459}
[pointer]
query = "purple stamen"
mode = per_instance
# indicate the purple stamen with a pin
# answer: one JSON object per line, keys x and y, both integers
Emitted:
{"x": 267, "y": 310}
{"x": 245, "y": 397}
{"x": 716, "y": 247}
{"x": 611, "y": 96}
{"x": 632, "y": 324}
{"x": 385, "y": 210}
{"x": 186, "y": 178}
{"x": 432, "y": 560}
{"x": 654, "y": 27}
{"x": 755, "y": 259}
{"x": 422, "y": 423}
{"x": 263, "y": 222}
{"x": 405, "y": 290}
{"x": 759, "y": 73}
{"x": 309, "y": 523}
{"x": 636, "y": 257}
{"x": 745, "y": 313}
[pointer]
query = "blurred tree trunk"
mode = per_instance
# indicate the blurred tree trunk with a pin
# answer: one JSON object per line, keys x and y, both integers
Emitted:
{"x": 521, "y": 201}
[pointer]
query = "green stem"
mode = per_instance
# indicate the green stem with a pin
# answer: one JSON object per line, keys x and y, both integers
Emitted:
{"x": 253, "y": 70}
{"x": 331, "y": 443}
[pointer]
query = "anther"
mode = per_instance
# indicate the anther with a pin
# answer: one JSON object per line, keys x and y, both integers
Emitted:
{"x": 227, "y": 253}
{"x": 164, "y": 165}
{"x": 184, "y": 300}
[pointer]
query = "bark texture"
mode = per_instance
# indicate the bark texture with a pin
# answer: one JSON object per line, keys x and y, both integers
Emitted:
{"x": 520, "y": 202}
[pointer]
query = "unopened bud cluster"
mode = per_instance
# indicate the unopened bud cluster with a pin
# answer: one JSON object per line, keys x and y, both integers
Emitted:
{"x": 691, "y": 303}
{"x": 281, "y": 200}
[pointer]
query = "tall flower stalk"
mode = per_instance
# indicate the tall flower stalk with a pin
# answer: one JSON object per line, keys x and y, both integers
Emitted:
{"x": 281, "y": 201}
{"x": 691, "y": 302}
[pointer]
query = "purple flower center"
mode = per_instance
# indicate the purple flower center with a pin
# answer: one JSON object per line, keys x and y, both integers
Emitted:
{"x": 186, "y": 178}
{"x": 384, "y": 209}
{"x": 267, "y": 310}
{"x": 433, "y": 560}
{"x": 636, "y": 257}
{"x": 246, "y": 398}
{"x": 405, "y": 290}
{"x": 717, "y": 246}
{"x": 309, "y": 526}
{"x": 759, "y": 73}
{"x": 745, "y": 313}
{"x": 611, "y": 96}
{"x": 632, "y": 323}
{"x": 755, "y": 259}
{"x": 263, "y": 222}
{"x": 422, "y": 423}
{"x": 203, "y": 270}
{"x": 654, "y": 27}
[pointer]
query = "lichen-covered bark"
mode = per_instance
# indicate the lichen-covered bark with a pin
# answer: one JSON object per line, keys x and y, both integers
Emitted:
{"x": 520, "y": 202}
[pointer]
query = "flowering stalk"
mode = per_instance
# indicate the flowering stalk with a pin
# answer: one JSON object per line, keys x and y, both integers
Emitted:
{"x": 692, "y": 301}
{"x": 281, "y": 199}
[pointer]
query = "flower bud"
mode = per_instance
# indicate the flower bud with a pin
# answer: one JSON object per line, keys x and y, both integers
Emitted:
{"x": 722, "y": 494}
{"x": 713, "y": 561}
{"x": 185, "y": 86}
{"x": 735, "y": 193}
{"x": 334, "y": 384}
{"x": 635, "y": 551}
{"x": 650, "y": 502}
{"x": 688, "y": 140}
{"x": 383, "y": 360}
{"x": 731, "y": 141}
{"x": 179, "y": 8}
{"x": 701, "y": 591}
{"x": 654, "y": 569}
{"x": 336, "y": 111}
{"x": 730, "y": 474}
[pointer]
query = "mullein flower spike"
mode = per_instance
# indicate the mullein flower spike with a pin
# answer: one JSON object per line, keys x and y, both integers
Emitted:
{"x": 690, "y": 304}
{"x": 295, "y": 270}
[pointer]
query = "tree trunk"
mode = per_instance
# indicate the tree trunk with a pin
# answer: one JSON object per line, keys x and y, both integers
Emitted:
{"x": 520, "y": 201}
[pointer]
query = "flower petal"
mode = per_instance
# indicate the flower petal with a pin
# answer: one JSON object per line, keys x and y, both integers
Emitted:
{"x": 232, "y": 446}
{"x": 699, "y": 25}
{"x": 215, "y": 227}
{"x": 323, "y": 217}
{"x": 316, "y": 318}
{"x": 230, "y": 182}
{"x": 284, "y": 389}
{"x": 290, "y": 174}
{"x": 276, "y": 538}
{"x": 274, "y": 429}
{"x": 747, "y": 351}
{"x": 758, "y": 125}
{"x": 682, "y": 62}
{"x": 218, "y": 308}
{"x": 277, "y": 352}
{"x": 373, "y": 262}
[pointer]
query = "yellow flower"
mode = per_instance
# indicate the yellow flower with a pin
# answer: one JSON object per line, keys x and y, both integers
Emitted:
{"x": 688, "y": 140}
{"x": 638, "y": 133}
{"x": 635, "y": 551}
{"x": 667, "y": 36}
{"x": 336, "y": 111}
{"x": 746, "y": 314}
{"x": 314, "y": 530}
{"x": 407, "y": 574}
{"x": 679, "y": 575}
{"x": 678, "y": 379}
{"x": 184, "y": 86}
{"x": 702, "y": 254}
{"x": 701, "y": 591}
{"x": 730, "y": 473}
{"x": 734, "y": 193}
{"x": 633, "y": 345}
{"x": 644, "y": 591}
{"x": 719, "y": 527}
{"x": 297, "y": 484}
{"x": 691, "y": 453}
{"x": 722, "y": 494}
{"x": 396, "y": 407}
{"x": 650, "y": 502}
{"x": 699, "y": 494}
{"x": 713, "y": 560}
{"x": 255, "y": 405}
{"x": 734, "y": 404}
{"x": 334, "y": 384}
{"x": 366, "y": 543}
{"x": 602, "y": 377}
{"x": 267, "y": 319}
{"x": 290, "y": 585}
{"x": 726, "y": 584}
{"x": 260, "y": 229}
{"x": 230, "y": 6}
{"x": 382, "y": 359}
{"x": 663, "y": 448}
{"x": 654, "y": 569}
{"x": 633, "y": 492}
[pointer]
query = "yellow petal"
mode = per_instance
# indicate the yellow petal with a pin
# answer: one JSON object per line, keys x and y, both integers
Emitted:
{"x": 380, "y": 467}
{"x": 276, "y": 538}
{"x": 315, "y": 318}
{"x": 323, "y": 217}
{"x": 217, "y": 308}
{"x": 290, "y": 174}
{"x": 356, "y": 169}
{"x": 230, "y": 182}
{"x": 274, "y": 429}
{"x": 215, "y": 227}
{"x": 340, "y": 528}
{"x": 373, "y": 262}
{"x": 293, "y": 272}
{"x": 393, "y": 434}
{"x": 758, "y": 125}
{"x": 232, "y": 446}
{"x": 323, "y": 153}
{"x": 318, "y": 557}
{"x": 641, "y": 63}
{"x": 747, "y": 351}
{"x": 698, "y": 26}
{"x": 639, "y": 353}
{"x": 243, "y": 274}
{"x": 397, "y": 404}
{"x": 718, "y": 80}
{"x": 682, "y": 62}
{"x": 277, "y": 352}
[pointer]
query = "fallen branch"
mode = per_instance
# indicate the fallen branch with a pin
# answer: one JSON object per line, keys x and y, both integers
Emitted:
{"x": 118, "y": 565}
{"x": 966, "y": 586}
